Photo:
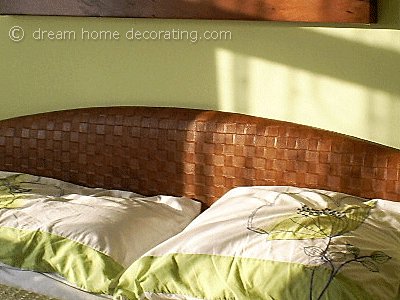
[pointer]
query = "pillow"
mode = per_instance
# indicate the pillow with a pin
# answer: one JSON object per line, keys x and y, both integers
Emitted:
{"x": 86, "y": 235}
{"x": 276, "y": 243}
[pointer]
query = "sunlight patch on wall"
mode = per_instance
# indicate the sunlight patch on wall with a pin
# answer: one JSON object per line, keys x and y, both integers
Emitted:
{"x": 263, "y": 88}
{"x": 225, "y": 79}
{"x": 386, "y": 39}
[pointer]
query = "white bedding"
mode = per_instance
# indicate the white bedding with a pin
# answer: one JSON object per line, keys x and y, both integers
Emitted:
{"x": 44, "y": 284}
{"x": 88, "y": 236}
{"x": 281, "y": 243}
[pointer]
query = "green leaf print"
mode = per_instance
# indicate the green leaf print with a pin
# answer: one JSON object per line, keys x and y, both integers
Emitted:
{"x": 380, "y": 257}
{"x": 11, "y": 191}
{"x": 309, "y": 223}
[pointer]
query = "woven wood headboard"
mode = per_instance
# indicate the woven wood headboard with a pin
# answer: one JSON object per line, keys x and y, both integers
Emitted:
{"x": 200, "y": 154}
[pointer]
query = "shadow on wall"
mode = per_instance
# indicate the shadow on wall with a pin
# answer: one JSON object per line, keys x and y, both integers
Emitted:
{"x": 370, "y": 107}
{"x": 335, "y": 57}
{"x": 388, "y": 14}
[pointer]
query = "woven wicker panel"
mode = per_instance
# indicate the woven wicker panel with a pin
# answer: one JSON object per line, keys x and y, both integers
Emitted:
{"x": 200, "y": 154}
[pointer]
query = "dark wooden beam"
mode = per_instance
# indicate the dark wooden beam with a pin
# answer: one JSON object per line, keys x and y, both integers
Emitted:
{"x": 318, "y": 11}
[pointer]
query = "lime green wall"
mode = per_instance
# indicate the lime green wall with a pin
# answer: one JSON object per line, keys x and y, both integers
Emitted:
{"x": 342, "y": 79}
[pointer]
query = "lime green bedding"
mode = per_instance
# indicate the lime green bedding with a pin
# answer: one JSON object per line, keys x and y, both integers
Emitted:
{"x": 11, "y": 293}
{"x": 276, "y": 243}
{"x": 89, "y": 236}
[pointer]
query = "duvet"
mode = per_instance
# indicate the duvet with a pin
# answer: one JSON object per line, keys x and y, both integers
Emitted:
{"x": 253, "y": 243}
{"x": 274, "y": 243}
{"x": 88, "y": 236}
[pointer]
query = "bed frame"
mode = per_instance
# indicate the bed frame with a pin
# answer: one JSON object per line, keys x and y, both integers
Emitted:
{"x": 196, "y": 153}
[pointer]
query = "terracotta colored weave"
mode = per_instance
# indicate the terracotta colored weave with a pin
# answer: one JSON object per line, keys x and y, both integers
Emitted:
{"x": 200, "y": 154}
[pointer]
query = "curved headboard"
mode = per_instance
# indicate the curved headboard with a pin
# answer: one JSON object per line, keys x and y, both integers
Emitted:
{"x": 200, "y": 154}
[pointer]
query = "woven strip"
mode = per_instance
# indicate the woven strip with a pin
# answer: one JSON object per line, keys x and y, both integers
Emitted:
{"x": 200, "y": 154}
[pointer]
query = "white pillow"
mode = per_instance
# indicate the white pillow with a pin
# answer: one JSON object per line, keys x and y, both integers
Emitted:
{"x": 89, "y": 236}
{"x": 276, "y": 243}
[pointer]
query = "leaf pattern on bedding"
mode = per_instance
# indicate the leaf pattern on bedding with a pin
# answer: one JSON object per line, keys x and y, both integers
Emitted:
{"x": 11, "y": 192}
{"x": 12, "y": 293}
{"x": 327, "y": 223}
{"x": 309, "y": 223}
{"x": 16, "y": 190}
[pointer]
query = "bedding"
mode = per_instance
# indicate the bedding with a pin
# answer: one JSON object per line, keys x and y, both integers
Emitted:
{"x": 44, "y": 284}
{"x": 10, "y": 293}
{"x": 86, "y": 235}
{"x": 276, "y": 243}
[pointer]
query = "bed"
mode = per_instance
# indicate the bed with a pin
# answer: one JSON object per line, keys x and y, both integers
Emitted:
{"x": 275, "y": 197}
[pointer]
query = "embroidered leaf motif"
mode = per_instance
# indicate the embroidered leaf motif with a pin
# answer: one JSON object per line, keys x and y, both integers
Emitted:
{"x": 380, "y": 257}
{"x": 10, "y": 201}
{"x": 353, "y": 250}
{"x": 369, "y": 264}
{"x": 313, "y": 251}
{"x": 337, "y": 256}
{"x": 12, "y": 184}
{"x": 311, "y": 223}
{"x": 316, "y": 261}
{"x": 11, "y": 191}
